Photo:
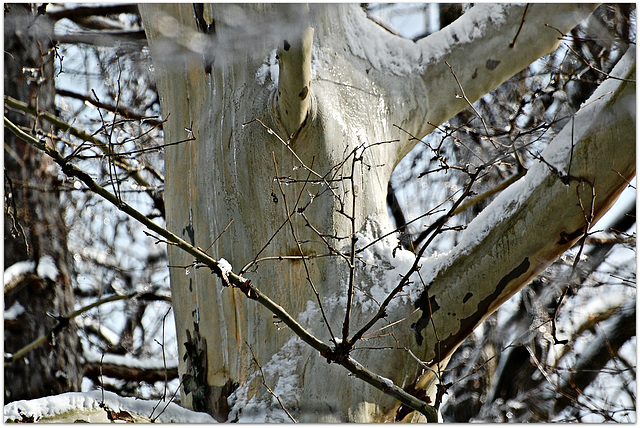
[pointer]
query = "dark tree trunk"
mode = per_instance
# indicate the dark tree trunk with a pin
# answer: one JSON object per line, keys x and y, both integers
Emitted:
{"x": 34, "y": 229}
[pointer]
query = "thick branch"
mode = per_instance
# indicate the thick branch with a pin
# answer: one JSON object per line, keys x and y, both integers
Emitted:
{"x": 94, "y": 369}
{"x": 103, "y": 38}
{"x": 535, "y": 220}
{"x": 478, "y": 46}
{"x": 294, "y": 81}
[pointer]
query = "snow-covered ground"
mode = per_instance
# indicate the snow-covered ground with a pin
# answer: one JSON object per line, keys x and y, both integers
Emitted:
{"x": 94, "y": 406}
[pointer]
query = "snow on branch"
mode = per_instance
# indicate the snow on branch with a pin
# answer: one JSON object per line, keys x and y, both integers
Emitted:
{"x": 14, "y": 274}
{"x": 485, "y": 46}
{"x": 481, "y": 46}
{"x": 578, "y": 177}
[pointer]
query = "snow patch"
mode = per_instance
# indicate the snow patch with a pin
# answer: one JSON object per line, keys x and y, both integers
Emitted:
{"x": 47, "y": 268}
{"x": 14, "y": 311}
{"x": 388, "y": 382}
{"x": 402, "y": 56}
{"x": 382, "y": 267}
{"x": 268, "y": 70}
{"x": 81, "y": 403}
{"x": 225, "y": 266}
{"x": 281, "y": 376}
{"x": 310, "y": 314}
{"x": 380, "y": 48}
{"x": 18, "y": 269}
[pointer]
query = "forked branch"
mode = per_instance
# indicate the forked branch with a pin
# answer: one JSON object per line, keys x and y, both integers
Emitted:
{"x": 243, "y": 284}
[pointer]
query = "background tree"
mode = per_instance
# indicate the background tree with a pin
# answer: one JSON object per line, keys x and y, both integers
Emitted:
{"x": 104, "y": 100}
{"x": 35, "y": 238}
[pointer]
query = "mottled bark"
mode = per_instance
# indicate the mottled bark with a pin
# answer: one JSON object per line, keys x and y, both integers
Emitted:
{"x": 34, "y": 228}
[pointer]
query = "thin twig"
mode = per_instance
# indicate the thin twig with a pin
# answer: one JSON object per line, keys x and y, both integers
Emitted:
{"x": 588, "y": 218}
{"x": 304, "y": 261}
{"x": 524, "y": 15}
{"x": 219, "y": 235}
{"x": 596, "y": 69}
{"x": 115, "y": 184}
{"x": 354, "y": 239}
{"x": 264, "y": 382}
{"x": 464, "y": 97}
{"x": 405, "y": 279}
{"x": 243, "y": 284}
{"x": 118, "y": 159}
{"x": 500, "y": 187}
{"x": 173, "y": 397}
{"x": 152, "y": 120}
{"x": 332, "y": 249}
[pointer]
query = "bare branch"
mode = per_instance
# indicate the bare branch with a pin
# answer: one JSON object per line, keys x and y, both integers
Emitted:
{"x": 118, "y": 159}
{"x": 243, "y": 284}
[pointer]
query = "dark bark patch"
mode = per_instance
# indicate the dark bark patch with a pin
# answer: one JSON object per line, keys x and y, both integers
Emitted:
{"x": 287, "y": 46}
{"x": 429, "y": 306}
{"x": 467, "y": 325}
{"x": 194, "y": 381}
{"x": 467, "y": 297}
{"x": 566, "y": 238}
{"x": 303, "y": 94}
{"x": 492, "y": 64}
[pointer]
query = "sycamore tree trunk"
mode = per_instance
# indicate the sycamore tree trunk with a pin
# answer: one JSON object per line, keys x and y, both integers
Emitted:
{"x": 295, "y": 112}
